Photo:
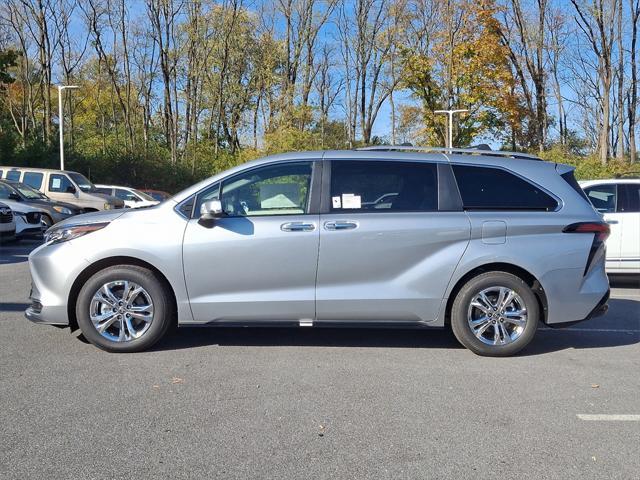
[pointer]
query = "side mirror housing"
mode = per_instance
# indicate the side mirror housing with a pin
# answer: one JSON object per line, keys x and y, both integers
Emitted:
{"x": 14, "y": 196}
{"x": 211, "y": 209}
{"x": 70, "y": 189}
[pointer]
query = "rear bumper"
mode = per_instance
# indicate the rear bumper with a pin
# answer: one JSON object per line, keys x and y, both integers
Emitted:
{"x": 599, "y": 310}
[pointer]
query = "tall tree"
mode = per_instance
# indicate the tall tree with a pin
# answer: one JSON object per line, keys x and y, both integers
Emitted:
{"x": 596, "y": 20}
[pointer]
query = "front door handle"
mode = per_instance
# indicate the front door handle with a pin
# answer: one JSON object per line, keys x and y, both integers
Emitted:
{"x": 612, "y": 222}
{"x": 297, "y": 227}
{"x": 338, "y": 225}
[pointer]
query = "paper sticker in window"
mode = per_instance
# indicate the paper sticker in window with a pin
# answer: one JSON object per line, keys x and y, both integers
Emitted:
{"x": 350, "y": 200}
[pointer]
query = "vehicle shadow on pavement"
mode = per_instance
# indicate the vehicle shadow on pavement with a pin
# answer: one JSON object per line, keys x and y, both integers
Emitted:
{"x": 16, "y": 252}
{"x": 612, "y": 333}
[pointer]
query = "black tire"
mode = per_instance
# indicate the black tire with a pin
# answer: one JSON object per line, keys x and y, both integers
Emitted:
{"x": 163, "y": 311}
{"x": 460, "y": 314}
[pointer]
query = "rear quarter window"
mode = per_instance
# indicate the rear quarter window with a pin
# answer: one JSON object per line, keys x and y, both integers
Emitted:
{"x": 487, "y": 188}
{"x": 13, "y": 175}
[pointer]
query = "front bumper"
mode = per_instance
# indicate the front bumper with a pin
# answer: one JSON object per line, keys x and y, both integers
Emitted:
{"x": 53, "y": 269}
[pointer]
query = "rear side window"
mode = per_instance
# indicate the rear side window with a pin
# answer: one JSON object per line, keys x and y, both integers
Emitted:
{"x": 486, "y": 188}
{"x": 59, "y": 183}
{"x": 603, "y": 197}
{"x": 13, "y": 175}
{"x": 372, "y": 186}
{"x": 125, "y": 195}
{"x": 33, "y": 179}
{"x": 628, "y": 198}
{"x": 106, "y": 191}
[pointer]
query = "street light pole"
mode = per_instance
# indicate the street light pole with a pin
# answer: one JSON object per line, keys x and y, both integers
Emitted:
{"x": 450, "y": 113}
{"x": 61, "y": 121}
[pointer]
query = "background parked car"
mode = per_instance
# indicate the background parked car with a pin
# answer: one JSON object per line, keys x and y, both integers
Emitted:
{"x": 618, "y": 200}
{"x": 131, "y": 197}
{"x": 63, "y": 186}
{"x": 7, "y": 223}
{"x": 28, "y": 219}
{"x": 52, "y": 211}
{"x": 156, "y": 194}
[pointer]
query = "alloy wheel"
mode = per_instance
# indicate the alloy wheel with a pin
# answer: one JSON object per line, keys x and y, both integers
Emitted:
{"x": 497, "y": 315}
{"x": 121, "y": 311}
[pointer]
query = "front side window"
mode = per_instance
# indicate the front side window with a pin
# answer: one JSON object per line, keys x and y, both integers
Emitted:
{"x": 33, "y": 179}
{"x": 13, "y": 175}
{"x": 281, "y": 189}
{"x": 628, "y": 198}
{"x": 60, "y": 183}
{"x": 380, "y": 186}
{"x": 486, "y": 188}
{"x": 603, "y": 197}
{"x": 104, "y": 190}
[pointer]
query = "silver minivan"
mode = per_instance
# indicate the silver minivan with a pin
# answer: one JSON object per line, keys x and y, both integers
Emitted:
{"x": 63, "y": 186}
{"x": 490, "y": 244}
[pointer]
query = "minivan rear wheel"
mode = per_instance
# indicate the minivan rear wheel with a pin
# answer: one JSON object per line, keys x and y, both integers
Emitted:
{"x": 495, "y": 314}
{"x": 124, "y": 308}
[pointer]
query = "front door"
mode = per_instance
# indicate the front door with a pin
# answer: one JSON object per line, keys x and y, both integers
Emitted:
{"x": 258, "y": 262}
{"x": 61, "y": 189}
{"x": 386, "y": 252}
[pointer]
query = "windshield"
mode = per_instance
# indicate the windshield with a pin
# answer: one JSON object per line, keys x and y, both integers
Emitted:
{"x": 29, "y": 192}
{"x": 143, "y": 195}
{"x": 82, "y": 182}
{"x": 5, "y": 191}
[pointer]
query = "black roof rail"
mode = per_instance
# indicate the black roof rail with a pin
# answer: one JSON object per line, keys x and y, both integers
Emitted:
{"x": 478, "y": 150}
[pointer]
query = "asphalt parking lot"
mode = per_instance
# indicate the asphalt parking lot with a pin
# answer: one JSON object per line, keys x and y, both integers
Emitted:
{"x": 275, "y": 403}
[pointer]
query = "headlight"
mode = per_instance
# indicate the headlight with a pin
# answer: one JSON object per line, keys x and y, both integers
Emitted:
{"x": 62, "y": 210}
{"x": 69, "y": 232}
{"x": 107, "y": 206}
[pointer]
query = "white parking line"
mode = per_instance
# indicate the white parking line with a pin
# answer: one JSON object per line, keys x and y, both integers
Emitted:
{"x": 609, "y": 418}
{"x": 597, "y": 330}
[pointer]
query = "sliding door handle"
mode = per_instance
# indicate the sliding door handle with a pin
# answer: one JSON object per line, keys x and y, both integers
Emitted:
{"x": 340, "y": 225}
{"x": 298, "y": 227}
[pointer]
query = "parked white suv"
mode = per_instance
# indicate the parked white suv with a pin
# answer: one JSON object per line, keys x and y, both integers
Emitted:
{"x": 618, "y": 200}
{"x": 7, "y": 223}
{"x": 63, "y": 186}
{"x": 131, "y": 197}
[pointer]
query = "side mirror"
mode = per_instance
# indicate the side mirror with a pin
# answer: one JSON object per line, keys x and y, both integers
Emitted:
{"x": 211, "y": 209}
{"x": 14, "y": 196}
{"x": 70, "y": 189}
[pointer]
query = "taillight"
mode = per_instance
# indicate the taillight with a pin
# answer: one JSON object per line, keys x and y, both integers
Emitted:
{"x": 600, "y": 231}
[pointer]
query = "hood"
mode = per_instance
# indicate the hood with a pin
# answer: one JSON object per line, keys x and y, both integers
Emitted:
{"x": 43, "y": 203}
{"x": 92, "y": 217}
{"x": 21, "y": 207}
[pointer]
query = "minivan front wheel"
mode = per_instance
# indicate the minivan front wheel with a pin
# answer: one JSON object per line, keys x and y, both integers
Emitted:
{"x": 495, "y": 314}
{"x": 124, "y": 308}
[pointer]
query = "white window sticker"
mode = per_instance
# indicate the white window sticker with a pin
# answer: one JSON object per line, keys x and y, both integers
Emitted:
{"x": 55, "y": 183}
{"x": 337, "y": 203}
{"x": 349, "y": 200}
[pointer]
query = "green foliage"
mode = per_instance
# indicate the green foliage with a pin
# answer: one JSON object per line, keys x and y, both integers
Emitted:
{"x": 8, "y": 59}
{"x": 589, "y": 167}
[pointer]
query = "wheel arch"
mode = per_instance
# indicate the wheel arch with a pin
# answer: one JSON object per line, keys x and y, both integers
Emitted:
{"x": 106, "y": 263}
{"x": 527, "y": 276}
